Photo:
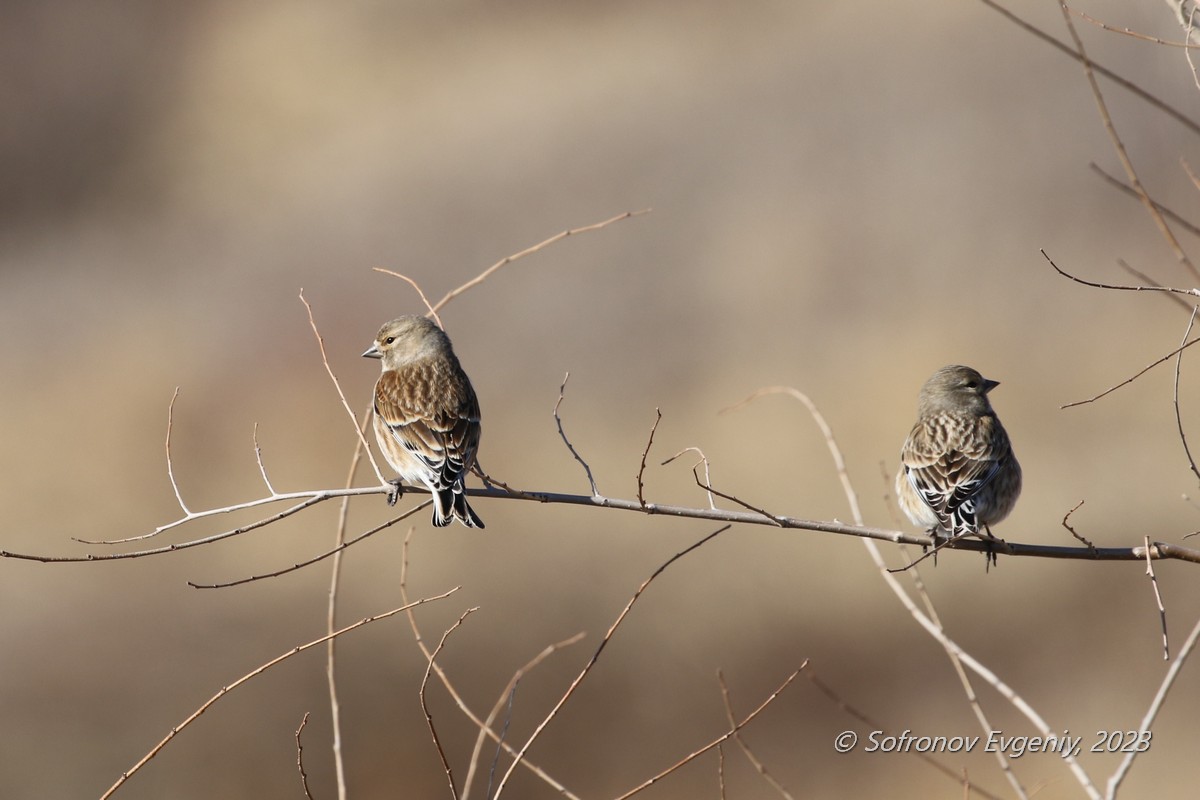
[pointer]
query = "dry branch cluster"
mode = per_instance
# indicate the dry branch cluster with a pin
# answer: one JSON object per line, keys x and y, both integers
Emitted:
{"x": 500, "y": 758}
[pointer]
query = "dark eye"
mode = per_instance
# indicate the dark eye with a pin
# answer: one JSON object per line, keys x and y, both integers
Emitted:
{"x": 972, "y": 383}
{"x": 389, "y": 340}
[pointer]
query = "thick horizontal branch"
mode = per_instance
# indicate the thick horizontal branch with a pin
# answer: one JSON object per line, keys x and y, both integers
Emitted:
{"x": 1158, "y": 550}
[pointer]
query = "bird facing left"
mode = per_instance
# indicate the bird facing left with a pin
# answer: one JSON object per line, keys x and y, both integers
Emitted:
{"x": 426, "y": 416}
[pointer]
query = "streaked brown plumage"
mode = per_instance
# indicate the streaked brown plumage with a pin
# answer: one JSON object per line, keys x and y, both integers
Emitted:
{"x": 426, "y": 414}
{"x": 958, "y": 474}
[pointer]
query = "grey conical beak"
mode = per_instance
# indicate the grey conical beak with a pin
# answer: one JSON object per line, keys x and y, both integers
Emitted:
{"x": 987, "y": 384}
{"x": 373, "y": 352}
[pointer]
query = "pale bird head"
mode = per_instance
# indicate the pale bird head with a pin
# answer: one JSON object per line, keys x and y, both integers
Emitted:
{"x": 407, "y": 339}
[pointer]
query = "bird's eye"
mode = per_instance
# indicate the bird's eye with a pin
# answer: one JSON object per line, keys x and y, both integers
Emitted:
{"x": 389, "y": 340}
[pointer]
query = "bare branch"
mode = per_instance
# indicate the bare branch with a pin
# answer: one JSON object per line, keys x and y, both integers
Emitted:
{"x": 506, "y": 699}
{"x": 642, "y": 469}
{"x": 1129, "y": 190}
{"x": 711, "y": 491}
{"x": 1065, "y": 274}
{"x": 703, "y": 460}
{"x": 416, "y": 286}
{"x": 753, "y": 759}
{"x": 170, "y": 468}
{"x": 595, "y": 657}
{"x": 834, "y": 451}
{"x": 1162, "y": 611}
{"x": 866, "y": 720}
{"x": 1175, "y": 397}
{"x": 1127, "y": 31}
{"x": 300, "y": 758}
{"x": 340, "y": 544}
{"x": 258, "y": 671}
{"x": 1122, "y": 155}
{"x": 445, "y": 679}
{"x": 483, "y": 276}
{"x": 1074, "y": 533}
{"x": 1160, "y": 697}
{"x": 1158, "y": 549}
{"x": 335, "y": 551}
{"x": 261, "y": 468}
{"x": 358, "y": 429}
{"x": 1146, "y": 279}
{"x": 1128, "y": 85}
{"x": 558, "y": 421}
{"x": 715, "y": 742}
{"x": 425, "y": 708}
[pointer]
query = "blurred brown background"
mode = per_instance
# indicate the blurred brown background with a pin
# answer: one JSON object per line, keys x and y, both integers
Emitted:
{"x": 845, "y": 197}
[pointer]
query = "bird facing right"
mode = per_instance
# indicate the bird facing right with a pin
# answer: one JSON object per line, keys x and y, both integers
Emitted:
{"x": 958, "y": 474}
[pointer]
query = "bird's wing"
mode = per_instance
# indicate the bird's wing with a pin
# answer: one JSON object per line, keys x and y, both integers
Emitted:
{"x": 948, "y": 477}
{"x": 438, "y": 425}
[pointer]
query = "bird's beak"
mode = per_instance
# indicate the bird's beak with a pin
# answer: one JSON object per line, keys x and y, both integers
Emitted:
{"x": 987, "y": 385}
{"x": 373, "y": 352}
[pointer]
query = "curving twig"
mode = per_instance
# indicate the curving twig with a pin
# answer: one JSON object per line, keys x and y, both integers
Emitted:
{"x": 596, "y": 656}
{"x": 258, "y": 671}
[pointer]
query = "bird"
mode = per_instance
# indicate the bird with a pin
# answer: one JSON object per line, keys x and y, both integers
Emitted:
{"x": 958, "y": 474}
{"x": 426, "y": 415}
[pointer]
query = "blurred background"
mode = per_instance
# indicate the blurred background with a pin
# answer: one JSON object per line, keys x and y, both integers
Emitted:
{"x": 844, "y": 197}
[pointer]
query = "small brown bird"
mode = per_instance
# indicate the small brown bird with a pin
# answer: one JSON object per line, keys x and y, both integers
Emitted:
{"x": 426, "y": 415}
{"x": 958, "y": 474}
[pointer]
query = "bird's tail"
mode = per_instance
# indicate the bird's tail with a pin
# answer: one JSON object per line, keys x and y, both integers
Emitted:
{"x": 449, "y": 505}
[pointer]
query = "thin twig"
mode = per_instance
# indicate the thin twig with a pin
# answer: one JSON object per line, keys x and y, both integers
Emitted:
{"x": 715, "y": 742}
{"x": 1133, "y": 377}
{"x": 315, "y": 495}
{"x": 261, "y": 467}
{"x": 1195, "y": 179}
{"x": 335, "y": 551}
{"x": 504, "y": 700}
{"x": 703, "y": 484}
{"x": 445, "y": 679}
{"x": 437, "y": 743}
{"x": 483, "y": 276}
{"x": 1156, "y": 704}
{"x": 841, "y": 703}
{"x": 1162, "y": 610}
{"x": 416, "y": 286}
{"x": 1119, "y": 287}
{"x": 331, "y": 621}
{"x": 300, "y": 758}
{"x": 737, "y": 737}
{"x": 1129, "y": 190}
{"x": 358, "y": 429}
{"x": 1146, "y": 279}
{"x": 1075, "y": 533}
{"x": 721, "y": 770}
{"x": 595, "y": 657}
{"x": 1175, "y": 397}
{"x": 170, "y": 468}
{"x": 1119, "y": 147}
{"x": 839, "y": 463}
{"x": 1187, "y": 54}
{"x": 1128, "y": 85}
{"x": 558, "y": 421}
{"x": 703, "y": 460}
{"x": 258, "y": 671}
{"x": 642, "y": 468}
{"x": 1127, "y": 31}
